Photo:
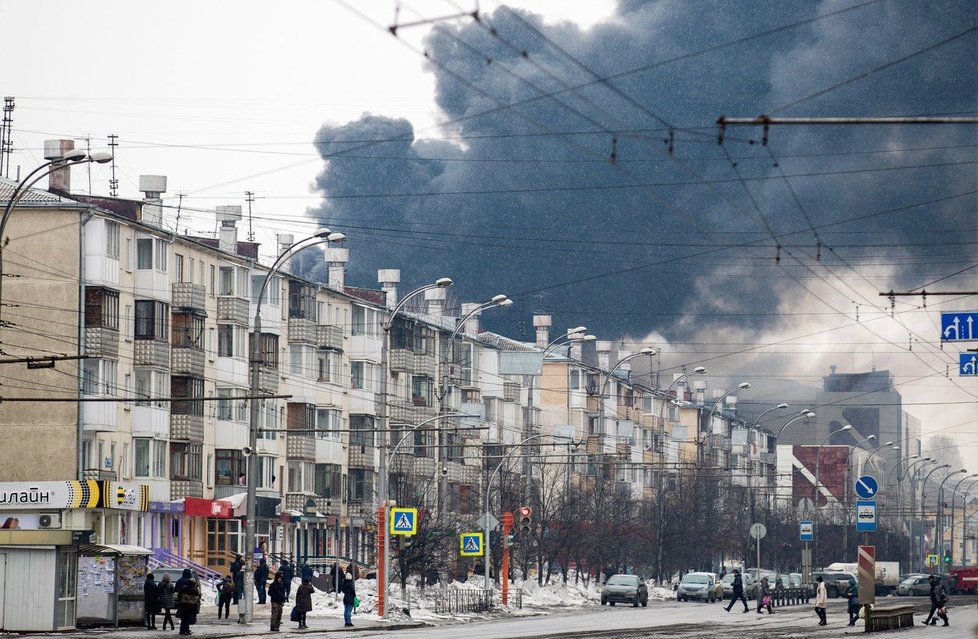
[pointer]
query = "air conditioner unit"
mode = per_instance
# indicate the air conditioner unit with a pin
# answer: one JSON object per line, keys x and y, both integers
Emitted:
{"x": 49, "y": 520}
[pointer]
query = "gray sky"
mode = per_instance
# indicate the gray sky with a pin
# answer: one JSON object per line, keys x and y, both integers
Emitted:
{"x": 490, "y": 161}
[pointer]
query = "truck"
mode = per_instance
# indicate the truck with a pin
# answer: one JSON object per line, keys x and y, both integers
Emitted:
{"x": 964, "y": 580}
{"x": 887, "y": 574}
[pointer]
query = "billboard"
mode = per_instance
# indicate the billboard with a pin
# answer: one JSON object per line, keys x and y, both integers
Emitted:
{"x": 832, "y": 465}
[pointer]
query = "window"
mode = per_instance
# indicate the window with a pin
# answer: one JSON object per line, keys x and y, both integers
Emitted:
{"x": 99, "y": 376}
{"x": 178, "y": 267}
{"x": 363, "y": 375}
{"x": 361, "y": 485}
{"x": 365, "y": 321}
{"x": 296, "y": 357}
{"x": 112, "y": 240}
{"x": 190, "y": 391}
{"x": 328, "y": 480}
{"x": 225, "y": 340}
{"x": 226, "y": 281}
{"x": 421, "y": 390}
{"x": 211, "y": 288}
{"x": 128, "y": 255}
{"x": 127, "y": 323}
{"x": 266, "y": 472}
{"x": 160, "y": 259}
{"x": 101, "y": 308}
{"x": 268, "y": 350}
{"x": 302, "y": 301}
{"x": 152, "y": 320}
{"x": 67, "y": 566}
{"x": 272, "y": 292}
{"x": 328, "y": 423}
{"x": 144, "y": 253}
{"x": 362, "y": 430}
{"x": 231, "y": 467}
{"x": 185, "y": 461}
{"x": 224, "y": 403}
{"x": 188, "y": 331}
{"x": 302, "y": 477}
{"x": 328, "y": 363}
{"x": 141, "y": 452}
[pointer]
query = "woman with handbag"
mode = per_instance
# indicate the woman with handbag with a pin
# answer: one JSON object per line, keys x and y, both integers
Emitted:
{"x": 188, "y": 600}
{"x": 349, "y": 599}
{"x": 303, "y": 602}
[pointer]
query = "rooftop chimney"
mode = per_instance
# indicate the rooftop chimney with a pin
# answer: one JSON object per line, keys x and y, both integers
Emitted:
{"x": 542, "y": 323}
{"x": 472, "y": 326}
{"x": 228, "y": 217}
{"x": 284, "y": 241}
{"x": 58, "y": 181}
{"x": 152, "y": 186}
{"x": 389, "y": 278}
{"x": 603, "y": 349}
{"x": 576, "y": 350}
{"x": 435, "y": 297}
{"x": 337, "y": 258}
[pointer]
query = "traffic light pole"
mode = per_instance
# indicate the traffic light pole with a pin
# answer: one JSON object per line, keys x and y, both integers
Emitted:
{"x": 504, "y": 569}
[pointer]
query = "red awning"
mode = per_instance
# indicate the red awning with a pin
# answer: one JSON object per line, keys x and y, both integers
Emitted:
{"x": 197, "y": 507}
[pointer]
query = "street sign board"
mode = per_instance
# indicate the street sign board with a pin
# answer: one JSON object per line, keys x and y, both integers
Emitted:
{"x": 470, "y": 544}
{"x": 866, "y": 516}
{"x": 959, "y": 327}
{"x": 806, "y": 530}
{"x": 806, "y": 506}
{"x": 757, "y": 531}
{"x": 968, "y": 364}
{"x": 867, "y": 487}
{"x": 404, "y": 521}
{"x": 487, "y": 522}
{"x": 931, "y": 560}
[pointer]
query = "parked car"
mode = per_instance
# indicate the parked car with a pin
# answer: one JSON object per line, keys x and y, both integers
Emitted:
{"x": 836, "y": 583}
{"x": 918, "y": 585}
{"x": 175, "y": 574}
{"x": 626, "y": 589}
{"x": 750, "y": 586}
{"x": 702, "y": 586}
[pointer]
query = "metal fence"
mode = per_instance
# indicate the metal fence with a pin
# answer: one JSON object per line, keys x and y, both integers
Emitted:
{"x": 452, "y": 601}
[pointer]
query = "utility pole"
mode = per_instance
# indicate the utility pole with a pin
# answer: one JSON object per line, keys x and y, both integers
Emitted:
{"x": 113, "y": 182}
{"x": 249, "y": 198}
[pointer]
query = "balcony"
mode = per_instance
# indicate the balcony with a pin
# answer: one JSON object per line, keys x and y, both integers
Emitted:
{"x": 511, "y": 391}
{"x": 188, "y": 296}
{"x": 187, "y": 428}
{"x": 151, "y": 421}
{"x": 180, "y": 488}
{"x": 268, "y": 379}
{"x": 402, "y": 360}
{"x": 302, "y": 331}
{"x": 99, "y": 417}
{"x": 152, "y": 353}
{"x": 721, "y": 443}
{"x": 362, "y": 456}
{"x": 187, "y": 361}
{"x": 97, "y": 474}
{"x": 232, "y": 310}
{"x": 424, "y": 364}
{"x": 102, "y": 342}
{"x": 300, "y": 447}
{"x": 401, "y": 411}
{"x": 325, "y": 505}
{"x": 330, "y": 337}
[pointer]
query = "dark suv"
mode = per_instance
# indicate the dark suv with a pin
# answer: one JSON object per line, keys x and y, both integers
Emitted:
{"x": 626, "y": 589}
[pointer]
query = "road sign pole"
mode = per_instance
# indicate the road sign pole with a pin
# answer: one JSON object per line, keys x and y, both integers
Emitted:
{"x": 504, "y": 567}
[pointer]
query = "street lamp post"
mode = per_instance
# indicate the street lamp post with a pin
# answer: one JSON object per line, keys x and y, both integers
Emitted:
{"x": 709, "y": 418}
{"x": 939, "y": 510}
{"x": 818, "y": 459}
{"x": 923, "y": 506}
{"x": 964, "y": 523}
{"x": 780, "y": 406}
{"x": 321, "y": 236}
{"x": 73, "y": 157}
{"x": 805, "y": 414}
{"x": 954, "y": 493}
{"x": 879, "y": 450}
{"x": 383, "y": 501}
{"x": 498, "y": 301}
{"x": 913, "y": 500}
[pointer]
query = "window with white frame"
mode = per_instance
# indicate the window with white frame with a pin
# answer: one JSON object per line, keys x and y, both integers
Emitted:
{"x": 329, "y": 423}
{"x": 225, "y": 280}
{"x": 328, "y": 365}
{"x": 112, "y": 240}
{"x": 302, "y": 477}
{"x": 364, "y": 321}
{"x": 142, "y": 456}
{"x": 225, "y": 411}
{"x": 266, "y": 472}
{"x": 363, "y": 375}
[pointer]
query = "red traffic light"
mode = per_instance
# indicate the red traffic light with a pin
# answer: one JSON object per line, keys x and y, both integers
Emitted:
{"x": 525, "y": 512}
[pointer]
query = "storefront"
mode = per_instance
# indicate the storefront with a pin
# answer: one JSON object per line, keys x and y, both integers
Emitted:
{"x": 162, "y": 526}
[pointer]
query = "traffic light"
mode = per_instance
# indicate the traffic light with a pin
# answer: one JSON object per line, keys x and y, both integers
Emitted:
{"x": 508, "y": 541}
{"x": 404, "y": 541}
{"x": 947, "y": 556}
{"x": 523, "y": 522}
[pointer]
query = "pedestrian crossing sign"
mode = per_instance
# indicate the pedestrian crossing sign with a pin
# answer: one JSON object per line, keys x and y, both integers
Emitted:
{"x": 404, "y": 521}
{"x": 470, "y": 544}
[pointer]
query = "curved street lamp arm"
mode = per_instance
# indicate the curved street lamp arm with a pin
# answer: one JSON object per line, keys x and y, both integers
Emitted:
{"x": 390, "y": 458}
{"x": 443, "y": 282}
{"x": 645, "y": 351}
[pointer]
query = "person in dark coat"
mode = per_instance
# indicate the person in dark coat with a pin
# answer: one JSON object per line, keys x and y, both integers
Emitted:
{"x": 188, "y": 601}
{"x": 307, "y": 570}
{"x": 764, "y": 597}
{"x": 738, "y": 591}
{"x": 151, "y": 602}
{"x": 852, "y": 605}
{"x": 167, "y": 599}
{"x": 938, "y": 599}
{"x": 288, "y": 574}
{"x": 261, "y": 578}
{"x": 349, "y": 596}
{"x": 224, "y": 596}
{"x": 303, "y": 601}
{"x": 237, "y": 575}
{"x": 276, "y": 592}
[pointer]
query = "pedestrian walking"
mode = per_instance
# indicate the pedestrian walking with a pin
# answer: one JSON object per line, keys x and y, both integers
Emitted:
{"x": 288, "y": 574}
{"x": 188, "y": 601}
{"x": 349, "y": 599}
{"x": 225, "y": 593}
{"x": 307, "y": 570}
{"x": 938, "y": 603}
{"x": 276, "y": 592}
{"x": 261, "y": 579}
{"x": 151, "y": 602}
{"x": 237, "y": 575}
{"x": 738, "y": 591}
{"x": 764, "y": 597}
{"x": 820, "y": 597}
{"x": 303, "y": 601}
{"x": 167, "y": 599}
{"x": 852, "y": 594}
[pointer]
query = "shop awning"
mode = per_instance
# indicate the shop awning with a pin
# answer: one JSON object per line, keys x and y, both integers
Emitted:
{"x": 239, "y": 507}
{"x": 113, "y": 549}
{"x": 214, "y": 508}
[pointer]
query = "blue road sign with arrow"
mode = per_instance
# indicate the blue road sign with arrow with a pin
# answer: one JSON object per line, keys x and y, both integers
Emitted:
{"x": 969, "y": 364}
{"x": 867, "y": 487}
{"x": 959, "y": 327}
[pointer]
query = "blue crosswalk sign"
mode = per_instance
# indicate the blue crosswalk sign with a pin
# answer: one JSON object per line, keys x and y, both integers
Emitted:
{"x": 404, "y": 521}
{"x": 470, "y": 544}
